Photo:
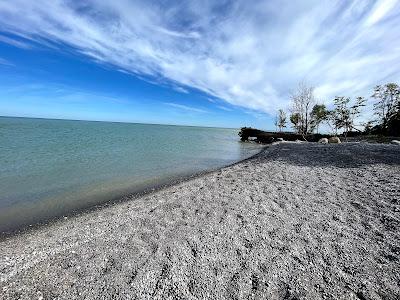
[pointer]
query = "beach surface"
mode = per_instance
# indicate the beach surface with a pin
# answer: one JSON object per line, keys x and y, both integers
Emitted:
{"x": 297, "y": 221}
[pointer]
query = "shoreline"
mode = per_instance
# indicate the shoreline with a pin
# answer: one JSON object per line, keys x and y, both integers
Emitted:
{"x": 296, "y": 221}
{"x": 117, "y": 200}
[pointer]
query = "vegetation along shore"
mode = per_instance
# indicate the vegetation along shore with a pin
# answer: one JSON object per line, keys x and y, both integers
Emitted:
{"x": 345, "y": 118}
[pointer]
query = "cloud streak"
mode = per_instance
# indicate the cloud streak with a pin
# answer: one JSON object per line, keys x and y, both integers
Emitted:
{"x": 5, "y": 62}
{"x": 185, "y": 107}
{"x": 249, "y": 55}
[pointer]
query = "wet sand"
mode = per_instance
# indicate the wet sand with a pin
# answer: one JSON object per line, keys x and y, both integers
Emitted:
{"x": 298, "y": 221}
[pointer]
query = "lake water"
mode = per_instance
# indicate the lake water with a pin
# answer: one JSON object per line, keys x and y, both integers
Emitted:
{"x": 51, "y": 167}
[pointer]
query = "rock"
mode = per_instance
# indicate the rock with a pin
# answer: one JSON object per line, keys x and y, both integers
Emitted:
{"x": 323, "y": 141}
{"x": 280, "y": 139}
{"x": 396, "y": 142}
{"x": 334, "y": 140}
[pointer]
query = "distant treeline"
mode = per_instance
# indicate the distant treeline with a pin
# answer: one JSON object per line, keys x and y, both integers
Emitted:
{"x": 306, "y": 115}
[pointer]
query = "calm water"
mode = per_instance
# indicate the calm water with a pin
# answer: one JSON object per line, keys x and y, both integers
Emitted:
{"x": 51, "y": 167}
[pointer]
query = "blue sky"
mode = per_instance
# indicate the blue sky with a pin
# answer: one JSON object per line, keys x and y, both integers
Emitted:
{"x": 211, "y": 63}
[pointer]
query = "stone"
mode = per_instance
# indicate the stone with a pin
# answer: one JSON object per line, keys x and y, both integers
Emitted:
{"x": 280, "y": 139}
{"x": 395, "y": 142}
{"x": 334, "y": 140}
{"x": 323, "y": 141}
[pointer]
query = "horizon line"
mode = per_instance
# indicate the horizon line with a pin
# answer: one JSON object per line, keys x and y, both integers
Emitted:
{"x": 121, "y": 122}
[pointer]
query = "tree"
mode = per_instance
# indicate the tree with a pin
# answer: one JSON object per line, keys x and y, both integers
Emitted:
{"x": 388, "y": 98}
{"x": 355, "y": 111}
{"x": 302, "y": 101}
{"x": 394, "y": 122}
{"x": 368, "y": 126}
{"x": 343, "y": 116}
{"x": 295, "y": 120}
{"x": 281, "y": 120}
{"x": 319, "y": 113}
{"x": 276, "y": 123}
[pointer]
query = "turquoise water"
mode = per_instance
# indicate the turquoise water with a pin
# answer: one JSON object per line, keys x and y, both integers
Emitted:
{"x": 51, "y": 167}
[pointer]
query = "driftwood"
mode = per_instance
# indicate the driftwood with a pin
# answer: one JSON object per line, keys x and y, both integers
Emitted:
{"x": 267, "y": 137}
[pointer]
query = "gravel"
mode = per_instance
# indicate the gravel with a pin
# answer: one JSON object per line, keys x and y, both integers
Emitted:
{"x": 298, "y": 221}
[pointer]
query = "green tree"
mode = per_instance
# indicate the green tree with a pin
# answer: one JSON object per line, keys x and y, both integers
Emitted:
{"x": 388, "y": 98}
{"x": 394, "y": 122}
{"x": 368, "y": 126}
{"x": 319, "y": 113}
{"x": 341, "y": 113}
{"x": 295, "y": 120}
{"x": 355, "y": 111}
{"x": 343, "y": 116}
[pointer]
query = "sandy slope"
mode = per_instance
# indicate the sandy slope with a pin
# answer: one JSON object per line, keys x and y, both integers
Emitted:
{"x": 300, "y": 221}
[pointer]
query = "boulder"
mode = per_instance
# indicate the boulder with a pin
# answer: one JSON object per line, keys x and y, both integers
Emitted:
{"x": 279, "y": 139}
{"x": 323, "y": 141}
{"x": 396, "y": 142}
{"x": 334, "y": 140}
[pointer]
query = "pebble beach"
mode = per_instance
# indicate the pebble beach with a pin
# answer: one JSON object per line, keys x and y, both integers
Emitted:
{"x": 296, "y": 221}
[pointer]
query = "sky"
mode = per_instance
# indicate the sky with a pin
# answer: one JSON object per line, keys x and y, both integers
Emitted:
{"x": 204, "y": 63}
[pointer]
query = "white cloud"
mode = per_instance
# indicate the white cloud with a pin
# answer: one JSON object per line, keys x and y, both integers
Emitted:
{"x": 185, "y": 107}
{"x": 180, "y": 89}
{"x": 224, "y": 108}
{"x": 381, "y": 8}
{"x": 58, "y": 93}
{"x": 250, "y": 54}
{"x": 13, "y": 42}
{"x": 5, "y": 62}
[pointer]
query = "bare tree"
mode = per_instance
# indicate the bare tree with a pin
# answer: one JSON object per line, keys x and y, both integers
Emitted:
{"x": 281, "y": 119}
{"x": 276, "y": 123}
{"x": 302, "y": 102}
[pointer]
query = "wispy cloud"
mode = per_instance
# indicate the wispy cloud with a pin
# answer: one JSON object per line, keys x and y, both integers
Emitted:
{"x": 248, "y": 54}
{"x": 14, "y": 42}
{"x": 5, "y": 62}
{"x": 180, "y": 89}
{"x": 255, "y": 114}
{"x": 185, "y": 107}
{"x": 224, "y": 108}
{"x": 380, "y": 10}
{"x": 58, "y": 93}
